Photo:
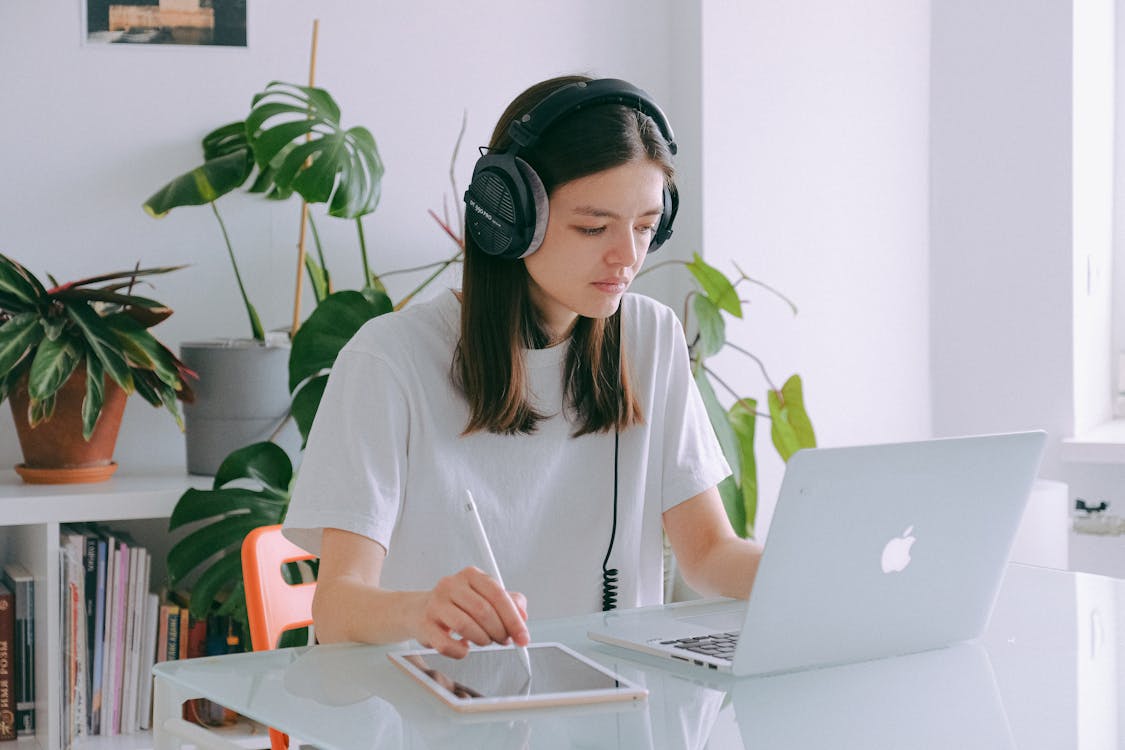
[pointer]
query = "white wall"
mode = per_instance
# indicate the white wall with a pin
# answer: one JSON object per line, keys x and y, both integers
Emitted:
{"x": 816, "y": 182}
{"x": 1001, "y": 225}
{"x": 91, "y": 131}
{"x": 814, "y": 178}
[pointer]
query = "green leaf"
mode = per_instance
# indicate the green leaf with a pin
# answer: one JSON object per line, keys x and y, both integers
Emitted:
{"x": 40, "y": 411}
{"x": 144, "y": 350}
{"x": 719, "y": 422}
{"x": 296, "y": 131}
{"x": 743, "y": 416}
{"x": 53, "y": 363}
{"x": 235, "y": 603}
{"x": 716, "y": 286}
{"x": 95, "y": 395}
{"x": 127, "y": 277}
{"x": 204, "y": 184}
{"x": 198, "y": 505}
{"x": 331, "y": 325}
{"x": 712, "y": 327}
{"x": 791, "y": 429}
{"x": 224, "y": 140}
{"x": 145, "y": 311}
{"x": 102, "y": 342}
{"x": 263, "y": 462}
{"x": 18, "y": 337}
{"x": 318, "y": 278}
{"x": 732, "y": 503}
{"x": 305, "y": 404}
{"x": 19, "y": 289}
{"x": 222, "y": 574}
{"x": 205, "y": 543}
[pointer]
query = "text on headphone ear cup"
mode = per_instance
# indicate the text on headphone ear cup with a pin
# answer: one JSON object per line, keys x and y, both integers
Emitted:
{"x": 499, "y": 207}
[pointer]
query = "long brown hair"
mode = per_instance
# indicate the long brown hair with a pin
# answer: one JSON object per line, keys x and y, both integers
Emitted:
{"x": 498, "y": 317}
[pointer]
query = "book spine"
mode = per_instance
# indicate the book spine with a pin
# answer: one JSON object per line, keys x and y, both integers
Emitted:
{"x": 98, "y": 645}
{"x": 22, "y": 585}
{"x": 90, "y": 595}
{"x": 120, "y": 624}
{"x": 104, "y": 722}
{"x": 74, "y": 544}
{"x": 148, "y": 654}
{"x": 7, "y": 664}
{"x": 173, "y": 647}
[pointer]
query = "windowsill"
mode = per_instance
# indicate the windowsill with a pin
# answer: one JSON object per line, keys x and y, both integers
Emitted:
{"x": 1104, "y": 444}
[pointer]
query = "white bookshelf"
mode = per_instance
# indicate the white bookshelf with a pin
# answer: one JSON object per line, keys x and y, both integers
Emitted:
{"x": 30, "y": 519}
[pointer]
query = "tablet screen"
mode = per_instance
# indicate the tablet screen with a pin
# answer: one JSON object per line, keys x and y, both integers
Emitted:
{"x": 496, "y": 674}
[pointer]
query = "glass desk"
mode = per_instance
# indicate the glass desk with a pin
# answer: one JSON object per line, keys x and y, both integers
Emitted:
{"x": 1048, "y": 673}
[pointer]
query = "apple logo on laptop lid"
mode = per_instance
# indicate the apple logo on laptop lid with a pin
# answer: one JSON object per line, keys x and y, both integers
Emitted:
{"x": 896, "y": 553}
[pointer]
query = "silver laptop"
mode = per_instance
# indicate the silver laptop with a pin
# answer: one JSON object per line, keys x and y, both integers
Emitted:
{"x": 873, "y": 551}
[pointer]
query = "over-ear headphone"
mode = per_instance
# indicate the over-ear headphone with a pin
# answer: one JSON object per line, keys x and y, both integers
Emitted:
{"x": 506, "y": 203}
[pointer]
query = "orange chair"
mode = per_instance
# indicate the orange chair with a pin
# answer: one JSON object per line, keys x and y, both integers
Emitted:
{"x": 273, "y": 605}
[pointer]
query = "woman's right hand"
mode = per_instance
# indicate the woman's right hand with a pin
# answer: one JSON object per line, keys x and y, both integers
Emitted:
{"x": 472, "y": 605}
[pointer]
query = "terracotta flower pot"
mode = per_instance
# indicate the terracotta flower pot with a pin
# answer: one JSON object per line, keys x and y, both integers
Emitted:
{"x": 55, "y": 452}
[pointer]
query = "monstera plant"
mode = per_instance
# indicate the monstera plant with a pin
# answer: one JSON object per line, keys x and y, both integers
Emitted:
{"x": 252, "y": 486}
{"x": 294, "y": 142}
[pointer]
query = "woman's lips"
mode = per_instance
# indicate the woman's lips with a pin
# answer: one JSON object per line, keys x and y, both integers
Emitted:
{"x": 612, "y": 287}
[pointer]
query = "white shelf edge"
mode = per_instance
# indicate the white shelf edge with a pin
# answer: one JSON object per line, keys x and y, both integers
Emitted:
{"x": 124, "y": 496}
{"x": 1104, "y": 444}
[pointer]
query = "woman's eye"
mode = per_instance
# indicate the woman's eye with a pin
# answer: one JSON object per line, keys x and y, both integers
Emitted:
{"x": 649, "y": 229}
{"x": 591, "y": 231}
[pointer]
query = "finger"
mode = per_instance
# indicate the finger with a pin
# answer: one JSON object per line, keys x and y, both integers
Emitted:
{"x": 521, "y": 603}
{"x": 511, "y": 621}
{"x": 445, "y": 644}
{"x": 482, "y": 615}
{"x": 455, "y": 606}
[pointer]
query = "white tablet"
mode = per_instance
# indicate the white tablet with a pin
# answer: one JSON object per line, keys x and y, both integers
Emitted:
{"x": 493, "y": 678}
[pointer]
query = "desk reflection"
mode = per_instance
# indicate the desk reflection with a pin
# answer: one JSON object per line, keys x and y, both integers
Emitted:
{"x": 388, "y": 710}
{"x": 937, "y": 699}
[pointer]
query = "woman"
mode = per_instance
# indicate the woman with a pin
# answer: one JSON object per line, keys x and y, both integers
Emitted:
{"x": 565, "y": 405}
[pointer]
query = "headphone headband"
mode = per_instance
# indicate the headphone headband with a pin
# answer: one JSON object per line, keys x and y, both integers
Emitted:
{"x": 527, "y": 129}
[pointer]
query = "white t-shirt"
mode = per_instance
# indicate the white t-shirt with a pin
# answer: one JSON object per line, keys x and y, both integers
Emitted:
{"x": 386, "y": 459}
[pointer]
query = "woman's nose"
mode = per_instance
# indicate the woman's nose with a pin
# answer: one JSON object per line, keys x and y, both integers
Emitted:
{"x": 626, "y": 248}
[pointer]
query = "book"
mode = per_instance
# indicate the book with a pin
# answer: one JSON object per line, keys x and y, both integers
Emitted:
{"x": 20, "y": 581}
{"x": 148, "y": 659}
{"x": 130, "y": 651}
{"x": 7, "y": 664}
{"x": 98, "y": 645}
{"x": 116, "y": 640}
{"x": 104, "y": 722}
{"x": 139, "y": 585}
{"x": 173, "y": 645}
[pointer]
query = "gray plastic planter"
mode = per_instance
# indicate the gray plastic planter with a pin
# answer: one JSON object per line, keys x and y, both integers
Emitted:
{"x": 242, "y": 397}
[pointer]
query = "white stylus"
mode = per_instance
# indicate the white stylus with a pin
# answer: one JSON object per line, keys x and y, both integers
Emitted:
{"x": 489, "y": 559}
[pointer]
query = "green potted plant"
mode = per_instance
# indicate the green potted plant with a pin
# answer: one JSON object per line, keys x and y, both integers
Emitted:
{"x": 252, "y": 485}
{"x": 69, "y": 356}
{"x": 294, "y": 141}
{"x": 791, "y": 429}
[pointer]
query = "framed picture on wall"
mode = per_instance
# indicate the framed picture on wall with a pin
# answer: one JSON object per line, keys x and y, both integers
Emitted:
{"x": 197, "y": 22}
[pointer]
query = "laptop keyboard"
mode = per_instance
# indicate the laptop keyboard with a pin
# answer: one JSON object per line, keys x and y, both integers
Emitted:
{"x": 718, "y": 645}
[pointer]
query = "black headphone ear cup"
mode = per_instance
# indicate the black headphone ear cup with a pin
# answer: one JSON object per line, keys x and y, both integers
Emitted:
{"x": 542, "y": 211}
{"x": 499, "y": 207}
{"x": 664, "y": 228}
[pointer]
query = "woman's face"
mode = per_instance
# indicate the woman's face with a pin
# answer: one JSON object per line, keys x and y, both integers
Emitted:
{"x": 598, "y": 232}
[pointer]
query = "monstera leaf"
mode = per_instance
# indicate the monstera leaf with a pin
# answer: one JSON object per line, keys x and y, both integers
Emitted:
{"x": 251, "y": 489}
{"x": 318, "y": 343}
{"x": 295, "y": 132}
